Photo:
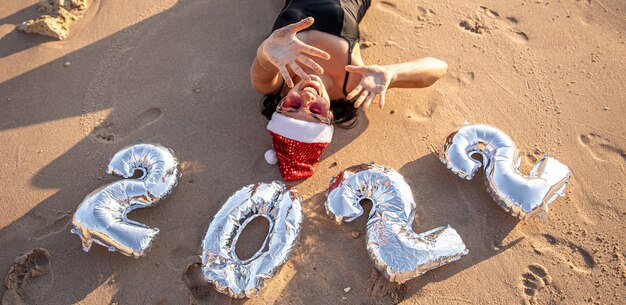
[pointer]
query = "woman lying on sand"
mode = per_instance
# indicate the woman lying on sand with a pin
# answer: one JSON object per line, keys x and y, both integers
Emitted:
{"x": 320, "y": 93}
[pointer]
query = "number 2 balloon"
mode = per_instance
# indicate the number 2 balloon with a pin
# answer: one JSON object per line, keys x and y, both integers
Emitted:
{"x": 519, "y": 195}
{"x": 101, "y": 217}
{"x": 398, "y": 252}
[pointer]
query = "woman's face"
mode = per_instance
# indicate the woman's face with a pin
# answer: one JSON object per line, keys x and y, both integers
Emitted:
{"x": 307, "y": 101}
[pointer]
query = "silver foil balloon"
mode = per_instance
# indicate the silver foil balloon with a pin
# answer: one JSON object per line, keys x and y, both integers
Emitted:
{"x": 517, "y": 194}
{"x": 220, "y": 264}
{"x": 101, "y": 217}
{"x": 398, "y": 252}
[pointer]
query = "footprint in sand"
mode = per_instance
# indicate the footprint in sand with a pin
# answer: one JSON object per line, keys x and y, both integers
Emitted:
{"x": 534, "y": 280}
{"x": 200, "y": 290}
{"x": 490, "y": 13}
{"x": 601, "y": 148}
{"x": 486, "y": 20}
{"x": 383, "y": 291}
{"x": 464, "y": 78}
{"x": 576, "y": 256}
{"x": 61, "y": 221}
{"x": 424, "y": 15}
{"x": 423, "y": 112}
{"x": 108, "y": 132}
{"x": 30, "y": 279}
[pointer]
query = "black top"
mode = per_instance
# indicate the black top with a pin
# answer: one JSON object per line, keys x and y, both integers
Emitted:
{"x": 336, "y": 17}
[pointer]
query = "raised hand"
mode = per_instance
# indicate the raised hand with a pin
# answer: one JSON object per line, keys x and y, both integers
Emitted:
{"x": 284, "y": 49}
{"x": 375, "y": 80}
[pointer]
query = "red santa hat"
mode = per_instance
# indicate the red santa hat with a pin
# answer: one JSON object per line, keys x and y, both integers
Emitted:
{"x": 298, "y": 145}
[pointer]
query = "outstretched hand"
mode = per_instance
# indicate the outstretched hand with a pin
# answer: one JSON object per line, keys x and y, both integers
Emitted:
{"x": 284, "y": 49}
{"x": 375, "y": 80}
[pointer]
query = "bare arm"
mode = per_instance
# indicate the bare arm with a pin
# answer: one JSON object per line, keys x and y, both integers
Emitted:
{"x": 264, "y": 76}
{"x": 375, "y": 79}
{"x": 419, "y": 73}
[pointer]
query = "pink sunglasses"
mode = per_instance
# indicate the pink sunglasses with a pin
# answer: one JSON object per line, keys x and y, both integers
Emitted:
{"x": 315, "y": 109}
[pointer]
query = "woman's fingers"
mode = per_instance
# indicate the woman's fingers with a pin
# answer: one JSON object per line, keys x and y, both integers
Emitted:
{"x": 366, "y": 98}
{"x": 301, "y": 25}
{"x": 310, "y": 63}
{"x": 285, "y": 74}
{"x": 354, "y": 92}
{"x": 357, "y": 69}
{"x": 294, "y": 66}
{"x": 361, "y": 99}
{"x": 381, "y": 99}
{"x": 305, "y": 48}
{"x": 369, "y": 100}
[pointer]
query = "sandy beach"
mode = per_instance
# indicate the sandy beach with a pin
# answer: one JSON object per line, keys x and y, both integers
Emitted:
{"x": 551, "y": 74}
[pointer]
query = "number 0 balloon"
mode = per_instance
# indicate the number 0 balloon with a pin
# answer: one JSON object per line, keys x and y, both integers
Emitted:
{"x": 101, "y": 217}
{"x": 220, "y": 264}
{"x": 398, "y": 252}
{"x": 517, "y": 194}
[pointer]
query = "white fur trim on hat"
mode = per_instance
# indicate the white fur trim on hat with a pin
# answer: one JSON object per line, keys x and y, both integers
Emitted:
{"x": 299, "y": 130}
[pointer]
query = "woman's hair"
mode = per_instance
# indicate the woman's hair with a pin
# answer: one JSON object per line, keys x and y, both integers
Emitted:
{"x": 344, "y": 113}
